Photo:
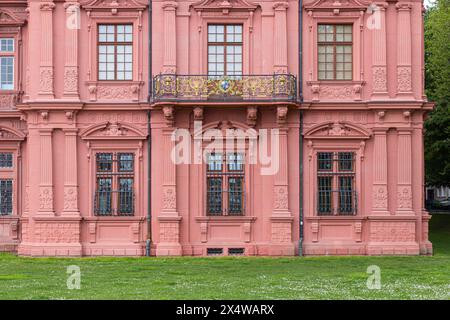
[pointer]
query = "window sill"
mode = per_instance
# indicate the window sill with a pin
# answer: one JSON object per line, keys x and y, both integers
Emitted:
{"x": 332, "y": 90}
{"x": 225, "y": 219}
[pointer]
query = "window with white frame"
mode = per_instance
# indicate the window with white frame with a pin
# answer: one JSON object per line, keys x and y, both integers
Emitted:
{"x": 115, "y": 52}
{"x": 7, "y": 51}
{"x": 335, "y": 47}
{"x": 225, "y": 50}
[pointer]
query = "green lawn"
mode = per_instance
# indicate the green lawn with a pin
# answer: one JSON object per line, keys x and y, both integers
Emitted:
{"x": 418, "y": 277}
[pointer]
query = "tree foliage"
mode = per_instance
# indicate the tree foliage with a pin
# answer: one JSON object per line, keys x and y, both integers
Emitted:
{"x": 437, "y": 77}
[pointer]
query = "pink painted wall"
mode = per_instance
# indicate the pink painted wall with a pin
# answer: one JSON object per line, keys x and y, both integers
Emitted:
{"x": 59, "y": 115}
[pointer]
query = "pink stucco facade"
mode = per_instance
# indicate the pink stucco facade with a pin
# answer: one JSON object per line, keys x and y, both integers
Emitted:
{"x": 58, "y": 116}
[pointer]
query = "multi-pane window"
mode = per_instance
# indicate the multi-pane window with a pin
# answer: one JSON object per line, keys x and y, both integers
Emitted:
{"x": 225, "y": 184}
{"x": 336, "y": 193}
{"x": 335, "y": 52}
{"x": 115, "y": 52}
{"x": 7, "y": 63}
{"x": 225, "y": 50}
{"x": 6, "y": 160}
{"x": 114, "y": 193}
{"x": 6, "y": 195}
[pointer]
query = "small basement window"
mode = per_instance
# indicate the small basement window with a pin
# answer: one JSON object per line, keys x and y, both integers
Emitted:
{"x": 214, "y": 251}
{"x": 235, "y": 251}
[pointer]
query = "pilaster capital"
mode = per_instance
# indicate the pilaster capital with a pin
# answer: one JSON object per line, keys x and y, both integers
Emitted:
{"x": 403, "y": 6}
{"x": 280, "y": 6}
{"x": 47, "y": 6}
{"x": 70, "y": 6}
{"x": 169, "y": 6}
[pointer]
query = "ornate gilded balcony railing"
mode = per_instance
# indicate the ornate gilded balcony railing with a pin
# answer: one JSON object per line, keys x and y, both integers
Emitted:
{"x": 275, "y": 87}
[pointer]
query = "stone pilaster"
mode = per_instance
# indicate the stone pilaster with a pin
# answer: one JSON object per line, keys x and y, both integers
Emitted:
{"x": 379, "y": 62}
{"x": 70, "y": 174}
{"x": 46, "y": 72}
{"x": 46, "y": 174}
{"x": 281, "y": 218}
{"x": 404, "y": 72}
{"x": 170, "y": 37}
{"x": 404, "y": 172}
{"x": 71, "y": 51}
{"x": 380, "y": 190}
{"x": 169, "y": 218}
{"x": 280, "y": 38}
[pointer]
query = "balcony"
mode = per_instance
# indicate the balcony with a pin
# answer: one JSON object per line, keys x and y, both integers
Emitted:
{"x": 251, "y": 88}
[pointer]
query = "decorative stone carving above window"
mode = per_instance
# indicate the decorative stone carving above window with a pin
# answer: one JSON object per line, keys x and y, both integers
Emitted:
{"x": 336, "y": 5}
{"x": 115, "y": 130}
{"x": 114, "y": 91}
{"x": 113, "y": 5}
{"x": 337, "y": 130}
{"x": 11, "y": 18}
{"x": 336, "y": 90}
{"x": 224, "y": 5}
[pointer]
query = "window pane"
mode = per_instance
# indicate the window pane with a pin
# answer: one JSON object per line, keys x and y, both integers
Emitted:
{"x": 126, "y": 203}
{"x": 346, "y": 195}
{"x": 126, "y": 162}
{"x": 7, "y": 73}
{"x": 215, "y": 162}
{"x": 235, "y": 195}
{"x": 324, "y": 204}
{"x": 214, "y": 195}
{"x": 103, "y": 204}
{"x": 104, "y": 161}
{"x": 6, "y": 160}
{"x": 325, "y": 161}
{"x": 235, "y": 162}
{"x": 345, "y": 161}
{"x": 6, "y": 195}
{"x": 6, "y": 45}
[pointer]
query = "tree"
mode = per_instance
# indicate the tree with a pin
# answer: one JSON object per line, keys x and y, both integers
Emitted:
{"x": 437, "y": 77}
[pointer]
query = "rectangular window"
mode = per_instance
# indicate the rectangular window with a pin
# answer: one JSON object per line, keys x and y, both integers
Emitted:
{"x": 115, "y": 52}
{"x": 6, "y": 194}
{"x": 114, "y": 193}
{"x": 6, "y": 160}
{"x": 7, "y": 63}
{"x": 225, "y": 50}
{"x": 335, "y": 43}
{"x": 336, "y": 193}
{"x": 225, "y": 184}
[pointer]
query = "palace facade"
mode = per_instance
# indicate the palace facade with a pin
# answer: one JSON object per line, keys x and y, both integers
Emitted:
{"x": 109, "y": 108}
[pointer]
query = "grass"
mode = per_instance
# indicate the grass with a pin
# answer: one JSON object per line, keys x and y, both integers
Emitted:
{"x": 418, "y": 277}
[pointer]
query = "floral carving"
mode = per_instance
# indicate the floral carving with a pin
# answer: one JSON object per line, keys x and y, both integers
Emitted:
{"x": 380, "y": 197}
{"x": 70, "y": 198}
{"x": 404, "y": 79}
{"x": 280, "y": 198}
{"x": 113, "y": 129}
{"x": 404, "y": 197}
{"x": 169, "y": 199}
{"x": 46, "y": 79}
{"x": 338, "y": 129}
{"x": 115, "y": 93}
{"x": 379, "y": 79}
{"x": 46, "y": 198}
{"x": 70, "y": 79}
{"x": 329, "y": 92}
